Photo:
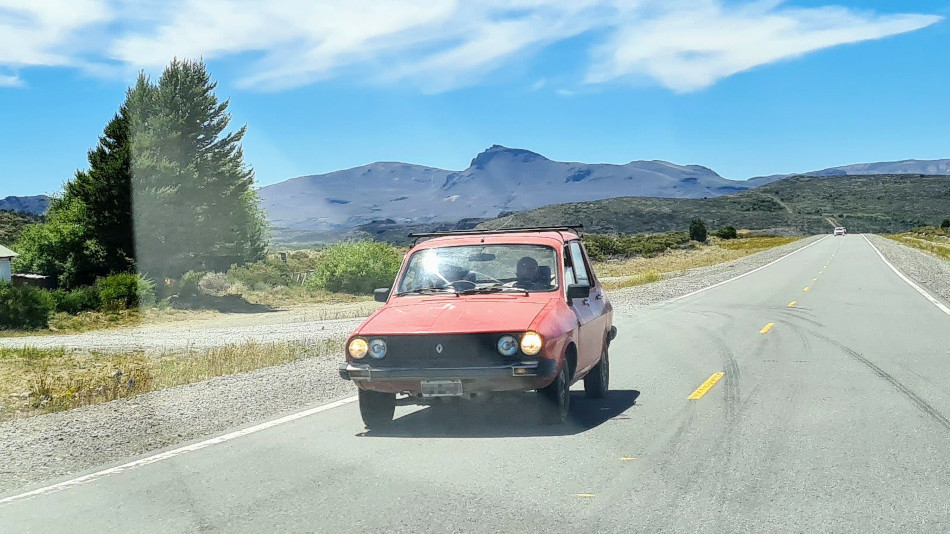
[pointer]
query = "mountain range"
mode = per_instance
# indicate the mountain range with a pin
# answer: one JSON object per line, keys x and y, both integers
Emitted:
{"x": 501, "y": 180}
{"x": 498, "y": 181}
{"x": 35, "y": 205}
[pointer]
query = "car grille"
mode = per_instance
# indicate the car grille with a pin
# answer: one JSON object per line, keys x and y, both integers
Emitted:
{"x": 461, "y": 350}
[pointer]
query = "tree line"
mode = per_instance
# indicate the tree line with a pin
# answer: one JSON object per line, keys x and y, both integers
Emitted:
{"x": 167, "y": 191}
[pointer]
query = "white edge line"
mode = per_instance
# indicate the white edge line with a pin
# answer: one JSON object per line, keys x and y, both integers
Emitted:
{"x": 175, "y": 452}
{"x": 733, "y": 279}
{"x": 919, "y": 289}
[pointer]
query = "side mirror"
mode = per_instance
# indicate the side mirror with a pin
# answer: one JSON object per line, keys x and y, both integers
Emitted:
{"x": 381, "y": 294}
{"x": 578, "y": 291}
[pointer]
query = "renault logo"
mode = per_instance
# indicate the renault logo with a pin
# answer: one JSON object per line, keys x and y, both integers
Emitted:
{"x": 438, "y": 348}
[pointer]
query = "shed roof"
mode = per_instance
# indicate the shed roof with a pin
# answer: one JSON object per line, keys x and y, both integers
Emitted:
{"x": 7, "y": 253}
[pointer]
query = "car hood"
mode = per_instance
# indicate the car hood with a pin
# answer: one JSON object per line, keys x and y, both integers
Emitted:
{"x": 466, "y": 315}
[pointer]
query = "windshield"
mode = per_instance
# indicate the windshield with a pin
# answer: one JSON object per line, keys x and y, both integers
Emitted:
{"x": 466, "y": 268}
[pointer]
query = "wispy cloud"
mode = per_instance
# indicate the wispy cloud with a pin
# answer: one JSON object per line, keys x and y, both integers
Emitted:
{"x": 687, "y": 45}
{"x": 11, "y": 80}
{"x": 47, "y": 32}
{"x": 433, "y": 45}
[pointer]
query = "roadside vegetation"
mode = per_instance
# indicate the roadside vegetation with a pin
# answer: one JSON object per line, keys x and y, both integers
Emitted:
{"x": 933, "y": 240}
{"x": 340, "y": 274}
{"x": 35, "y": 381}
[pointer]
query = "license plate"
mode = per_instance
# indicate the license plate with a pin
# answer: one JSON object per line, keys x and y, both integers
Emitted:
{"x": 441, "y": 388}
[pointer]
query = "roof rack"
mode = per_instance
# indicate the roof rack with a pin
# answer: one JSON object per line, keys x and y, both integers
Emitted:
{"x": 562, "y": 228}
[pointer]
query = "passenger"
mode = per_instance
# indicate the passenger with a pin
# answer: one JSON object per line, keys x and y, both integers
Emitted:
{"x": 527, "y": 273}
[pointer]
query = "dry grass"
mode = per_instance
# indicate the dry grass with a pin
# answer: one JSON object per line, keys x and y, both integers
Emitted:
{"x": 64, "y": 323}
{"x": 286, "y": 297}
{"x": 638, "y": 271}
{"x": 937, "y": 245}
{"x": 34, "y": 381}
{"x": 755, "y": 244}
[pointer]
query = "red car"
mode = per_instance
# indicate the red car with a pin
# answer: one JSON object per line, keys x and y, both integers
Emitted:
{"x": 478, "y": 313}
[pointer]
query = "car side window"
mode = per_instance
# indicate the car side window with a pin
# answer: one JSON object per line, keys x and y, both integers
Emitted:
{"x": 568, "y": 269}
{"x": 577, "y": 260}
{"x": 589, "y": 265}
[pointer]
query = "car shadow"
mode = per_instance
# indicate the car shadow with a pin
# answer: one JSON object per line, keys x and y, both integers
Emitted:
{"x": 514, "y": 418}
{"x": 223, "y": 304}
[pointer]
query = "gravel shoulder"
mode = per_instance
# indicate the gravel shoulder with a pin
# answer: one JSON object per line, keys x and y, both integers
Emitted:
{"x": 274, "y": 327}
{"x": 931, "y": 272}
{"x": 60, "y": 444}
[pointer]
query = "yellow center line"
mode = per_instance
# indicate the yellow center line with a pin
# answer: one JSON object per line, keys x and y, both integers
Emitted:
{"x": 628, "y": 459}
{"x": 792, "y": 303}
{"x": 766, "y": 328}
{"x": 706, "y": 386}
{"x": 806, "y": 289}
{"x": 814, "y": 279}
{"x": 585, "y": 495}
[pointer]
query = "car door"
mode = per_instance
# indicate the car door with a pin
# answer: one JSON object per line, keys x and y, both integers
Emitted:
{"x": 588, "y": 349}
{"x": 602, "y": 312}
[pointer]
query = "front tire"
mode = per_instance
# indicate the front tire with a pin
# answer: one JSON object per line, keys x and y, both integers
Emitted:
{"x": 376, "y": 408}
{"x": 598, "y": 379}
{"x": 556, "y": 399}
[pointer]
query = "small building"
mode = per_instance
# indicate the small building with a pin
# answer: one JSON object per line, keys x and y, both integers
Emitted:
{"x": 6, "y": 256}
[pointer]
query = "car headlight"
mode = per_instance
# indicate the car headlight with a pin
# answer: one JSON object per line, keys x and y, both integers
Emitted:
{"x": 358, "y": 348}
{"x": 508, "y": 345}
{"x": 531, "y": 343}
{"x": 377, "y": 348}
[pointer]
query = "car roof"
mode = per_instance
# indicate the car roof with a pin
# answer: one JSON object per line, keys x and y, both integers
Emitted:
{"x": 550, "y": 238}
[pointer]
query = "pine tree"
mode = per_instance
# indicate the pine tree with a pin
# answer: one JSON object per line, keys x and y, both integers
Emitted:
{"x": 105, "y": 191}
{"x": 195, "y": 206}
{"x": 88, "y": 231}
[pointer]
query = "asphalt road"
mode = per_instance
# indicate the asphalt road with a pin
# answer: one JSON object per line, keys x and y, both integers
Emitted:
{"x": 833, "y": 419}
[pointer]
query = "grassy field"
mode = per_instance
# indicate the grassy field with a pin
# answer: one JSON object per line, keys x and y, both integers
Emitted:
{"x": 34, "y": 381}
{"x": 644, "y": 270}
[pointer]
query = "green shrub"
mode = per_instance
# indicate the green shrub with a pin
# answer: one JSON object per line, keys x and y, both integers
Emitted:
{"x": 125, "y": 291}
{"x": 214, "y": 284}
{"x": 261, "y": 274}
{"x": 188, "y": 285}
{"x": 945, "y": 223}
{"x": 77, "y": 300}
{"x": 24, "y": 307}
{"x": 697, "y": 231}
{"x": 728, "y": 232}
{"x": 603, "y": 247}
{"x": 356, "y": 267}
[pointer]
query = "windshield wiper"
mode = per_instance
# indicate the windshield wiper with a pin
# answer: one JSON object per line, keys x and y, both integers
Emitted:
{"x": 493, "y": 289}
{"x": 428, "y": 291}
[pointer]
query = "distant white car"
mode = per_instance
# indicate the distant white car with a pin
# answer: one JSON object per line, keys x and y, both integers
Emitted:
{"x": 840, "y": 230}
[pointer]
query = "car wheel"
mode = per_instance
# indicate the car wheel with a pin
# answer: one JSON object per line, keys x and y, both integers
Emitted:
{"x": 556, "y": 399}
{"x": 377, "y": 408}
{"x": 598, "y": 379}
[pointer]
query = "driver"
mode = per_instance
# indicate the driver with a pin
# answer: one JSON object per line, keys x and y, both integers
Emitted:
{"x": 527, "y": 273}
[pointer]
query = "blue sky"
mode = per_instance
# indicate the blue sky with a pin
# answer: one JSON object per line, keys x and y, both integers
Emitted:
{"x": 745, "y": 88}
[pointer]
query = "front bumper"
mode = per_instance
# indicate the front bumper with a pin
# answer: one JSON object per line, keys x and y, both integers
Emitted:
{"x": 543, "y": 368}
